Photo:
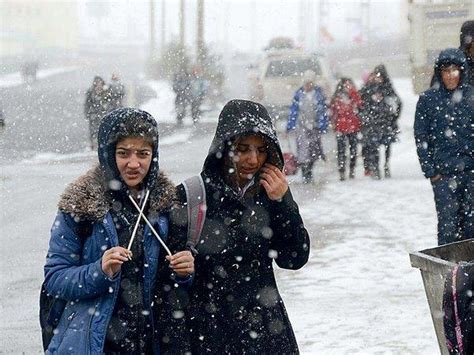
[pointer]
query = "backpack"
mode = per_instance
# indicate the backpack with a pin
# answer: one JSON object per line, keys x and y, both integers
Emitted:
{"x": 52, "y": 307}
{"x": 458, "y": 309}
{"x": 196, "y": 207}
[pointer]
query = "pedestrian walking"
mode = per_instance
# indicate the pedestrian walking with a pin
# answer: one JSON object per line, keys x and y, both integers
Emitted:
{"x": 182, "y": 89}
{"x": 345, "y": 105}
{"x": 445, "y": 145}
{"x": 95, "y": 107}
{"x": 198, "y": 90}
{"x": 105, "y": 259}
{"x": 380, "y": 112}
{"x": 308, "y": 119}
{"x": 251, "y": 222}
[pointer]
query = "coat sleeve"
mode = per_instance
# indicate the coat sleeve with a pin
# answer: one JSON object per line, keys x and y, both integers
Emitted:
{"x": 65, "y": 276}
{"x": 290, "y": 238}
{"x": 322, "y": 111}
{"x": 294, "y": 111}
{"x": 424, "y": 146}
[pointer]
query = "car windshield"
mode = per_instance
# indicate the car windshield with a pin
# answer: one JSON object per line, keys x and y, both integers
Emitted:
{"x": 294, "y": 67}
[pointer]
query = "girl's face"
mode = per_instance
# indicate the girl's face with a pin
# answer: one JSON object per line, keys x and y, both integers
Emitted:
{"x": 250, "y": 154}
{"x": 451, "y": 75}
{"x": 133, "y": 158}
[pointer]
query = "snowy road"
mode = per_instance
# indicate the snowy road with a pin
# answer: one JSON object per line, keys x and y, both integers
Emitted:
{"x": 358, "y": 293}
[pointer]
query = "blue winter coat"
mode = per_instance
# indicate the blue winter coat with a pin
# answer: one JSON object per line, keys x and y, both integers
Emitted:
{"x": 73, "y": 272}
{"x": 444, "y": 123}
{"x": 321, "y": 109}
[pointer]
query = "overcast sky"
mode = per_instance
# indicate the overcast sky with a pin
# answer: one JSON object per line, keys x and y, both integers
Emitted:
{"x": 246, "y": 25}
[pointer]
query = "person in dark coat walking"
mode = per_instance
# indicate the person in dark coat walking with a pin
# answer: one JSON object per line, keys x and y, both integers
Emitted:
{"x": 252, "y": 221}
{"x": 309, "y": 119}
{"x": 444, "y": 131}
{"x": 182, "y": 89}
{"x": 380, "y": 112}
{"x": 345, "y": 105}
{"x": 108, "y": 285}
{"x": 95, "y": 107}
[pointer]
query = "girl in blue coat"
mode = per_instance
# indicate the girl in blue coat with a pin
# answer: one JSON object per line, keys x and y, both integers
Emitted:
{"x": 444, "y": 122}
{"x": 121, "y": 295}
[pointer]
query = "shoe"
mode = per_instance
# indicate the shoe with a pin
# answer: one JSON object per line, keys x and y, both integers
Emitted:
{"x": 342, "y": 176}
{"x": 375, "y": 175}
{"x": 387, "y": 173}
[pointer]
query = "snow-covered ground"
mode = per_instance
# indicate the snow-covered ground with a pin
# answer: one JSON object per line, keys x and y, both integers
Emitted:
{"x": 358, "y": 293}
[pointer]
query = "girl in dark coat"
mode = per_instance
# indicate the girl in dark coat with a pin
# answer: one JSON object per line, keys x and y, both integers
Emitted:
{"x": 345, "y": 105}
{"x": 252, "y": 221}
{"x": 108, "y": 285}
{"x": 380, "y": 113}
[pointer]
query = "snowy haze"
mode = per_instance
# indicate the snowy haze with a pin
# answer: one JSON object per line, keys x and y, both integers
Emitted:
{"x": 358, "y": 294}
{"x": 245, "y": 25}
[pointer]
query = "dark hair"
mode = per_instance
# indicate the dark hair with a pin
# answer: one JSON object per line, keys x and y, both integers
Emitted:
{"x": 341, "y": 84}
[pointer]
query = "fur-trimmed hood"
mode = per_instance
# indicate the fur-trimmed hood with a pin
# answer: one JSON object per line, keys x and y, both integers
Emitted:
{"x": 87, "y": 198}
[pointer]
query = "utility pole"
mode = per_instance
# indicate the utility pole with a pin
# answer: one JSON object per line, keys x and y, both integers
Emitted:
{"x": 200, "y": 32}
{"x": 152, "y": 31}
{"x": 163, "y": 27}
{"x": 181, "y": 24}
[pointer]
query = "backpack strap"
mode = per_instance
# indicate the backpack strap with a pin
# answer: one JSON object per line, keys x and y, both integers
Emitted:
{"x": 196, "y": 206}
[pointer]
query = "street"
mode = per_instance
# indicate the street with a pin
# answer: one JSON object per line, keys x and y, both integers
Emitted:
{"x": 357, "y": 294}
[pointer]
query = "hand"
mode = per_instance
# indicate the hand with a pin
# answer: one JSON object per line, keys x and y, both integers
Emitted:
{"x": 436, "y": 177}
{"x": 113, "y": 259}
{"x": 182, "y": 263}
{"x": 273, "y": 181}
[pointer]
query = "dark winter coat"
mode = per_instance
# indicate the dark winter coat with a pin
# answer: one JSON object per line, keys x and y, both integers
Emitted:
{"x": 444, "y": 123}
{"x": 73, "y": 268}
{"x": 235, "y": 305}
{"x": 380, "y": 110}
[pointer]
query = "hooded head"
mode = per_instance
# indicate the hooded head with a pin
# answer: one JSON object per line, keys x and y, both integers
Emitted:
{"x": 448, "y": 57}
{"x": 120, "y": 124}
{"x": 467, "y": 37}
{"x": 240, "y": 118}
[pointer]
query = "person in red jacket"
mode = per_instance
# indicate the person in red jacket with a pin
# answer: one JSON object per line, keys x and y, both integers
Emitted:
{"x": 345, "y": 104}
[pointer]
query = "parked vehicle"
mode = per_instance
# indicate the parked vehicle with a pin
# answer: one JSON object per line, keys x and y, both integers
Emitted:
{"x": 280, "y": 74}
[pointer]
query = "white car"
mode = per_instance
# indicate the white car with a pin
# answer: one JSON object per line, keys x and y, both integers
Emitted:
{"x": 280, "y": 75}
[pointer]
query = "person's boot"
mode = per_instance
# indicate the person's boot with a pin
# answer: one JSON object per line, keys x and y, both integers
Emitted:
{"x": 342, "y": 176}
{"x": 387, "y": 172}
{"x": 376, "y": 174}
{"x": 352, "y": 173}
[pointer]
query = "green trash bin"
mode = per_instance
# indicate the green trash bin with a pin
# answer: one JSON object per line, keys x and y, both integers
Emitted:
{"x": 434, "y": 265}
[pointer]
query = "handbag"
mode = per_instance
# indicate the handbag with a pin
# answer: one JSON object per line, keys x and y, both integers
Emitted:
{"x": 291, "y": 166}
{"x": 289, "y": 160}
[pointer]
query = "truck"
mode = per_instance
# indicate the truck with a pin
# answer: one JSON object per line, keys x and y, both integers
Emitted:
{"x": 433, "y": 26}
